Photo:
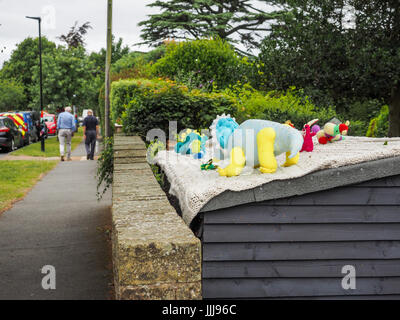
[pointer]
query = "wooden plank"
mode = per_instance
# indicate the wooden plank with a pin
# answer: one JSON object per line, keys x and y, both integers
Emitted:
{"x": 256, "y": 288}
{"x": 301, "y": 251}
{"x": 300, "y": 232}
{"x": 260, "y": 213}
{"x": 299, "y": 269}
{"x": 393, "y": 181}
{"x": 345, "y": 196}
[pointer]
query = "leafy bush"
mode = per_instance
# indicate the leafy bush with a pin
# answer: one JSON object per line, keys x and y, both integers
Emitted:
{"x": 364, "y": 110}
{"x": 379, "y": 126}
{"x": 276, "y": 106}
{"x": 146, "y": 105}
{"x": 130, "y": 66}
{"x": 155, "y": 54}
{"x": 204, "y": 61}
{"x": 123, "y": 91}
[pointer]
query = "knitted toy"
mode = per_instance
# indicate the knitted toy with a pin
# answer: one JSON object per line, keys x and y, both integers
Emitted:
{"x": 308, "y": 144}
{"x": 333, "y": 132}
{"x": 255, "y": 142}
{"x": 315, "y": 129}
{"x": 289, "y": 123}
{"x": 191, "y": 142}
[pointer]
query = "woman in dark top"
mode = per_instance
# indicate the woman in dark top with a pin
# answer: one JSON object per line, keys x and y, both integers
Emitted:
{"x": 90, "y": 131}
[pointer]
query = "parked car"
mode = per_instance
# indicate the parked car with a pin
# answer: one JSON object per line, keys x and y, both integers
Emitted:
{"x": 20, "y": 123}
{"x": 51, "y": 123}
{"x": 29, "y": 120}
{"x": 10, "y": 135}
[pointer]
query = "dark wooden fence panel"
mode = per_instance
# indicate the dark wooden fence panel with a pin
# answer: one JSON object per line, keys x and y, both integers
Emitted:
{"x": 346, "y": 196}
{"x": 296, "y": 247}
{"x": 303, "y": 214}
{"x": 296, "y": 269}
{"x": 300, "y": 232}
{"x": 301, "y": 251}
{"x": 298, "y": 287}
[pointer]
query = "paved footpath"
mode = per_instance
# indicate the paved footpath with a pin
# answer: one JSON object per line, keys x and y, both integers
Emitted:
{"x": 59, "y": 223}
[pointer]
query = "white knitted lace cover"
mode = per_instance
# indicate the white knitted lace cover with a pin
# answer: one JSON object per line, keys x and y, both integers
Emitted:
{"x": 194, "y": 188}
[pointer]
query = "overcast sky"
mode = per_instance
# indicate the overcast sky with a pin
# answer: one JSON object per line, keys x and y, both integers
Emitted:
{"x": 59, "y": 15}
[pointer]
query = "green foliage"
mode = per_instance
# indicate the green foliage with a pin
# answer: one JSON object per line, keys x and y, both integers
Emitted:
{"x": 156, "y": 54}
{"x": 74, "y": 38}
{"x": 118, "y": 50}
{"x": 23, "y": 60}
{"x": 361, "y": 113}
{"x": 147, "y": 105}
{"x": 152, "y": 149}
{"x": 379, "y": 126}
{"x": 105, "y": 167}
{"x": 128, "y": 61}
{"x": 66, "y": 78}
{"x": 364, "y": 110}
{"x": 131, "y": 66}
{"x": 199, "y": 63}
{"x": 357, "y": 128}
{"x": 12, "y": 96}
{"x": 314, "y": 47}
{"x": 123, "y": 91}
{"x": 195, "y": 19}
{"x": 276, "y": 106}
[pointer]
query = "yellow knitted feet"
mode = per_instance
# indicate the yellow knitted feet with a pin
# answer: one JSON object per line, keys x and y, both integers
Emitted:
{"x": 238, "y": 160}
{"x": 265, "y": 142}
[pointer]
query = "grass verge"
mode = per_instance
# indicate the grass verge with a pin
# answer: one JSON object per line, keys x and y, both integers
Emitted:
{"x": 18, "y": 177}
{"x": 51, "y": 146}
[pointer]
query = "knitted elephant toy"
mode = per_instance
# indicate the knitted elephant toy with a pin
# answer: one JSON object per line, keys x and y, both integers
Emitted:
{"x": 255, "y": 143}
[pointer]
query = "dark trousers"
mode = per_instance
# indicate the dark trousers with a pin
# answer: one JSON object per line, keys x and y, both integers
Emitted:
{"x": 90, "y": 143}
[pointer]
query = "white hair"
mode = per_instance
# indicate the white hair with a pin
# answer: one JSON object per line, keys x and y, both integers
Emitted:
{"x": 68, "y": 109}
{"x": 90, "y": 111}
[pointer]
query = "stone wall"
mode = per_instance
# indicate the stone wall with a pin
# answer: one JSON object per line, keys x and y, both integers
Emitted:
{"x": 155, "y": 255}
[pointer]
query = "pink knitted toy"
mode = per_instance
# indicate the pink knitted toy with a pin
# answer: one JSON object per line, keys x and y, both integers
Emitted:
{"x": 308, "y": 144}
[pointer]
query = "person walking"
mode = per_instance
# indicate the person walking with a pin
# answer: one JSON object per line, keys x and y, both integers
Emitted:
{"x": 66, "y": 129}
{"x": 90, "y": 133}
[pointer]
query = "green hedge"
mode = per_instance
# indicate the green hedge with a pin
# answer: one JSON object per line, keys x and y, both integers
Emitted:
{"x": 143, "y": 105}
{"x": 123, "y": 91}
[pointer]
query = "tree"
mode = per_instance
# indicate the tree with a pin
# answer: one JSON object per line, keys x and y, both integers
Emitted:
{"x": 98, "y": 58}
{"x": 195, "y": 19}
{"x": 12, "y": 96}
{"x": 74, "y": 38}
{"x": 23, "y": 59}
{"x": 338, "y": 51}
{"x": 66, "y": 78}
{"x": 375, "y": 55}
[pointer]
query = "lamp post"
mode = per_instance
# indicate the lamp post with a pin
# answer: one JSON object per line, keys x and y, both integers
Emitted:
{"x": 39, "y": 19}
